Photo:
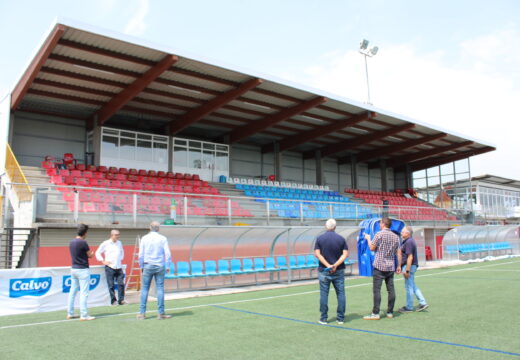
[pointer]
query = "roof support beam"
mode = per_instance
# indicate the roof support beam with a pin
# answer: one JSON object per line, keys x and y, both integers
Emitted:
{"x": 259, "y": 125}
{"x": 428, "y": 163}
{"x": 426, "y": 153}
{"x": 30, "y": 74}
{"x": 387, "y": 150}
{"x": 293, "y": 141}
{"x": 214, "y": 104}
{"x": 134, "y": 89}
{"x": 361, "y": 140}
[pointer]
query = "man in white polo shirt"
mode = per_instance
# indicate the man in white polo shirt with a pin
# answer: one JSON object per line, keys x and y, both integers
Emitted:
{"x": 114, "y": 254}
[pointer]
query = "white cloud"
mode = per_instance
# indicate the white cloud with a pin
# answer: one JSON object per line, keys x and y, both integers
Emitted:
{"x": 477, "y": 97}
{"x": 136, "y": 25}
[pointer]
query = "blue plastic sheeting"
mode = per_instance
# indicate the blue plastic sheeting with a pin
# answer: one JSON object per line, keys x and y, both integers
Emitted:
{"x": 365, "y": 255}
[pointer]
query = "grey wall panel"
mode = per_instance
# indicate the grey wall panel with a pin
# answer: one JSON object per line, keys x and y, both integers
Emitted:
{"x": 36, "y": 136}
{"x": 245, "y": 161}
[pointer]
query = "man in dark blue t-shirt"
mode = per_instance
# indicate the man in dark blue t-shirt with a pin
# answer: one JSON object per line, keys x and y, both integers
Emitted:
{"x": 80, "y": 274}
{"x": 409, "y": 264}
{"x": 331, "y": 250}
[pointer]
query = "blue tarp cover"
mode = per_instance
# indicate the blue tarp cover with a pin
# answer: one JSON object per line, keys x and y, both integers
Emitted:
{"x": 365, "y": 255}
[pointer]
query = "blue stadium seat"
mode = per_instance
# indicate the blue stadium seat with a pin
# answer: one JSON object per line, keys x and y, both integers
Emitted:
{"x": 270, "y": 265}
{"x": 312, "y": 261}
{"x": 183, "y": 269}
{"x": 259, "y": 265}
{"x": 247, "y": 267}
{"x": 196, "y": 269}
{"x": 223, "y": 267}
{"x": 211, "y": 268}
{"x": 282, "y": 262}
{"x": 171, "y": 274}
{"x": 236, "y": 266}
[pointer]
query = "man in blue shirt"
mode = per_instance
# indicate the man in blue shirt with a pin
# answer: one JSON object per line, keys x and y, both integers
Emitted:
{"x": 154, "y": 259}
{"x": 331, "y": 250}
{"x": 80, "y": 274}
{"x": 409, "y": 265}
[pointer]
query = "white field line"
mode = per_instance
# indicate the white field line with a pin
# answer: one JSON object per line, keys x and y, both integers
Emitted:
{"x": 247, "y": 300}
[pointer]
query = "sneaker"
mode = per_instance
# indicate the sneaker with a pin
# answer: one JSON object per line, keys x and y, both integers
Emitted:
{"x": 140, "y": 317}
{"x": 371, "y": 317}
{"x": 390, "y": 315}
{"x": 422, "y": 307}
{"x": 340, "y": 322}
{"x": 70, "y": 317}
{"x": 87, "y": 318}
{"x": 123, "y": 302}
{"x": 405, "y": 310}
{"x": 322, "y": 322}
{"x": 163, "y": 316}
{"x": 114, "y": 303}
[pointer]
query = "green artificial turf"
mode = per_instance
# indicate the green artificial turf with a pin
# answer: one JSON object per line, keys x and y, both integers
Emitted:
{"x": 475, "y": 305}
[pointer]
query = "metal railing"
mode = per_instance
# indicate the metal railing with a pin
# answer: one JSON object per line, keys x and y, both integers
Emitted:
{"x": 13, "y": 170}
{"x": 125, "y": 206}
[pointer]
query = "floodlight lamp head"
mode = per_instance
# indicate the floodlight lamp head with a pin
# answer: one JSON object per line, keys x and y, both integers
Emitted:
{"x": 374, "y": 50}
{"x": 364, "y": 44}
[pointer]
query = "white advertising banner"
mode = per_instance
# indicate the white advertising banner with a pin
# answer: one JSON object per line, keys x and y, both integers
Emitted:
{"x": 46, "y": 289}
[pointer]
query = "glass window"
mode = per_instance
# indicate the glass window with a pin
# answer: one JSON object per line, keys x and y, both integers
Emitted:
{"x": 209, "y": 146}
{"x": 127, "y": 149}
{"x": 208, "y": 159}
{"x": 160, "y": 153}
{"x": 160, "y": 139}
{"x": 180, "y": 142}
{"x": 223, "y": 148}
{"x": 144, "y": 151}
{"x": 180, "y": 157}
{"x": 195, "y": 145}
{"x": 128, "y": 134}
{"x": 110, "y": 132}
{"x": 221, "y": 161}
{"x": 195, "y": 159}
{"x": 110, "y": 146}
{"x": 144, "y": 136}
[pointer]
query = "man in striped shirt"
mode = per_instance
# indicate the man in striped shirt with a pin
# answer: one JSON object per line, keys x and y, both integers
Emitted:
{"x": 386, "y": 245}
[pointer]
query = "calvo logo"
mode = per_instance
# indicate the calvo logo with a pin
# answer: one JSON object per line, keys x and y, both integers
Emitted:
{"x": 29, "y": 286}
{"x": 67, "y": 282}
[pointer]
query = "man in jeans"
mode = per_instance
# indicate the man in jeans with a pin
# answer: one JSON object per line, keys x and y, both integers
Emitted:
{"x": 331, "y": 250}
{"x": 80, "y": 274}
{"x": 154, "y": 259}
{"x": 386, "y": 246}
{"x": 409, "y": 267}
{"x": 114, "y": 254}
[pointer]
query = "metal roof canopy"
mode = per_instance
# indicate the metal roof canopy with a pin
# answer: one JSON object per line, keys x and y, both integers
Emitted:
{"x": 497, "y": 180}
{"x": 91, "y": 74}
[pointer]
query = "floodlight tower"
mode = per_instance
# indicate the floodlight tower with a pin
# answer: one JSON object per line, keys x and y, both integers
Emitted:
{"x": 364, "y": 50}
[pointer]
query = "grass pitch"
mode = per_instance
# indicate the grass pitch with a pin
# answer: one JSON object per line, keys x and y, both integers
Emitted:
{"x": 473, "y": 314}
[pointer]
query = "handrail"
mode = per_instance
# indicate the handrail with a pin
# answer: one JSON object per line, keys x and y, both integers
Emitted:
{"x": 14, "y": 171}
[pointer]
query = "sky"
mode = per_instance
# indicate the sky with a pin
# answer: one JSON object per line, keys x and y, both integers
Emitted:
{"x": 452, "y": 64}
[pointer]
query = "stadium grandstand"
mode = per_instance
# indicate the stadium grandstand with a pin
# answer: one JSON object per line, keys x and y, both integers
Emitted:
{"x": 112, "y": 131}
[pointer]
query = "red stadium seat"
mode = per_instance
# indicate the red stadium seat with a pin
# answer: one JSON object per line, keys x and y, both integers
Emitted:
{"x": 102, "y": 169}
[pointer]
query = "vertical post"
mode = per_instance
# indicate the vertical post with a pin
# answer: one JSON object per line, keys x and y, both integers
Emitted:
{"x": 289, "y": 269}
{"x": 301, "y": 212}
{"x": 353, "y": 171}
{"x": 229, "y": 210}
{"x": 134, "y": 208}
{"x": 319, "y": 167}
{"x": 76, "y": 205}
{"x": 368, "y": 87}
{"x": 185, "y": 210}
{"x": 384, "y": 180}
{"x": 331, "y": 213}
{"x": 268, "y": 211}
{"x": 277, "y": 162}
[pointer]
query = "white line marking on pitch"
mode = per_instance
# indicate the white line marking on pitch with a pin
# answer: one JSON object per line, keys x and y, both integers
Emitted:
{"x": 245, "y": 300}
